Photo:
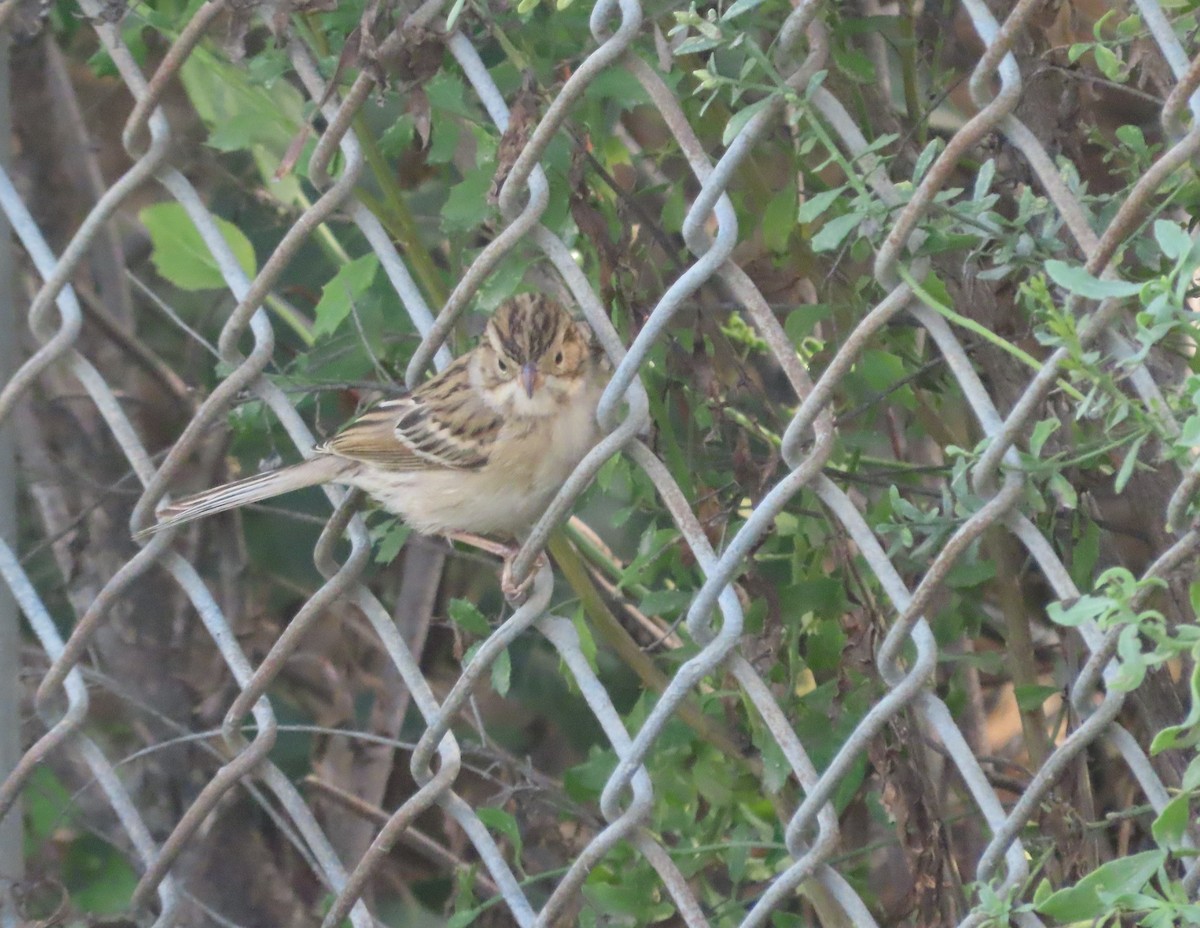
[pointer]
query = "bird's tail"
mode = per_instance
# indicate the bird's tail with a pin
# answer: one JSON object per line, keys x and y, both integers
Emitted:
{"x": 321, "y": 469}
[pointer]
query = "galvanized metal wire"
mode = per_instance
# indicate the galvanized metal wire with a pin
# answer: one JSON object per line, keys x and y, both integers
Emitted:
{"x": 906, "y": 658}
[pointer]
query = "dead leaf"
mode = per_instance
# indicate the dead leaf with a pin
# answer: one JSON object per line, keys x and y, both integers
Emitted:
{"x": 594, "y": 228}
{"x": 418, "y": 56}
{"x": 348, "y": 57}
{"x": 521, "y": 121}
{"x": 416, "y": 105}
{"x": 292, "y": 155}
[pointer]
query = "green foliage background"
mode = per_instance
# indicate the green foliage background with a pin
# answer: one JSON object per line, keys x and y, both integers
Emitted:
{"x": 810, "y": 226}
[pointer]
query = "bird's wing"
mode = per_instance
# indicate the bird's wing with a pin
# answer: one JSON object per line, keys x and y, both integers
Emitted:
{"x": 443, "y": 423}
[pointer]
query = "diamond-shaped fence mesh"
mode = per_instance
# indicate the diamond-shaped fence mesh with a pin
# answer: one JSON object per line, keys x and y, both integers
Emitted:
{"x": 69, "y": 698}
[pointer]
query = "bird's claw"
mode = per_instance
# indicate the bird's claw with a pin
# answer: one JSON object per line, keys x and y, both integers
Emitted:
{"x": 516, "y": 592}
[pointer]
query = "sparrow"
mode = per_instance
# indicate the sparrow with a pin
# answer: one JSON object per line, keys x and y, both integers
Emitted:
{"x": 479, "y": 449}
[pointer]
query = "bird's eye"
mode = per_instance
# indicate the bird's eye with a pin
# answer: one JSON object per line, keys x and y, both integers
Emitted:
{"x": 503, "y": 365}
{"x": 558, "y": 358}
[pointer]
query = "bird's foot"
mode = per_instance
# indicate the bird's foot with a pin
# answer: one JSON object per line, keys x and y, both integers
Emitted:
{"x": 516, "y": 592}
{"x": 513, "y": 591}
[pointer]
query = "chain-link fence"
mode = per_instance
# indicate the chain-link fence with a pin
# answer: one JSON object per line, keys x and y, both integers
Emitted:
{"x": 907, "y": 656}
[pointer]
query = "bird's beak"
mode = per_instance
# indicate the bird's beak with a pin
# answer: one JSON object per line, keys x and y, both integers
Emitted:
{"x": 529, "y": 378}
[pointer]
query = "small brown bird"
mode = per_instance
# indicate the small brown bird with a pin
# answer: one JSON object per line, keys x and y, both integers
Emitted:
{"x": 479, "y": 449}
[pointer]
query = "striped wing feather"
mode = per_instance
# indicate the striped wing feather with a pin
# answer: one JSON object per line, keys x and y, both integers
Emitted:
{"x": 442, "y": 424}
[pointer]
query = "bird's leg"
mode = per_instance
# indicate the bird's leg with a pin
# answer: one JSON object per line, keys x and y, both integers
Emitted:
{"x": 499, "y": 549}
{"x": 508, "y": 586}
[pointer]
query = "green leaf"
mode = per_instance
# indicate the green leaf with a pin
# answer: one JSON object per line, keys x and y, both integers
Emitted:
{"x": 1083, "y": 900}
{"x": 776, "y": 768}
{"x": 1077, "y": 280}
{"x": 1061, "y": 487}
{"x": 1042, "y": 431}
{"x": 504, "y": 823}
{"x": 674, "y": 209}
{"x": 983, "y": 179}
{"x": 1130, "y": 26}
{"x": 180, "y": 255}
{"x": 99, "y": 879}
{"x": 713, "y": 776}
{"x": 1072, "y": 904}
{"x": 825, "y": 643}
{"x": 855, "y": 65}
{"x": 587, "y": 644}
{"x": 1126, "y": 874}
{"x": 739, "y": 7}
{"x": 1172, "y": 239}
{"x": 739, "y": 119}
{"x": 1187, "y": 732}
{"x": 448, "y": 94}
{"x": 502, "y": 673}
{"x": 632, "y": 893}
{"x": 835, "y": 231}
{"x": 1085, "y": 608}
{"x": 467, "y": 616}
{"x": 816, "y": 204}
{"x": 347, "y": 286}
{"x": 47, "y": 803}
{"x": 1131, "y": 457}
{"x": 1131, "y": 137}
{"x": 925, "y": 159}
{"x": 967, "y": 574}
{"x": 778, "y": 219}
{"x": 1189, "y": 434}
{"x": 696, "y": 44}
{"x": 390, "y": 541}
{"x": 236, "y": 134}
{"x": 1191, "y": 776}
{"x": 444, "y": 143}
{"x": 801, "y": 321}
{"x": 1168, "y": 829}
{"x": 660, "y": 602}
{"x": 1108, "y": 63}
{"x": 1099, "y": 27}
{"x": 238, "y": 112}
{"x": 398, "y": 136}
{"x": 1030, "y": 697}
{"x": 584, "y": 782}
{"x": 620, "y": 87}
{"x": 467, "y": 206}
{"x": 468, "y": 917}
